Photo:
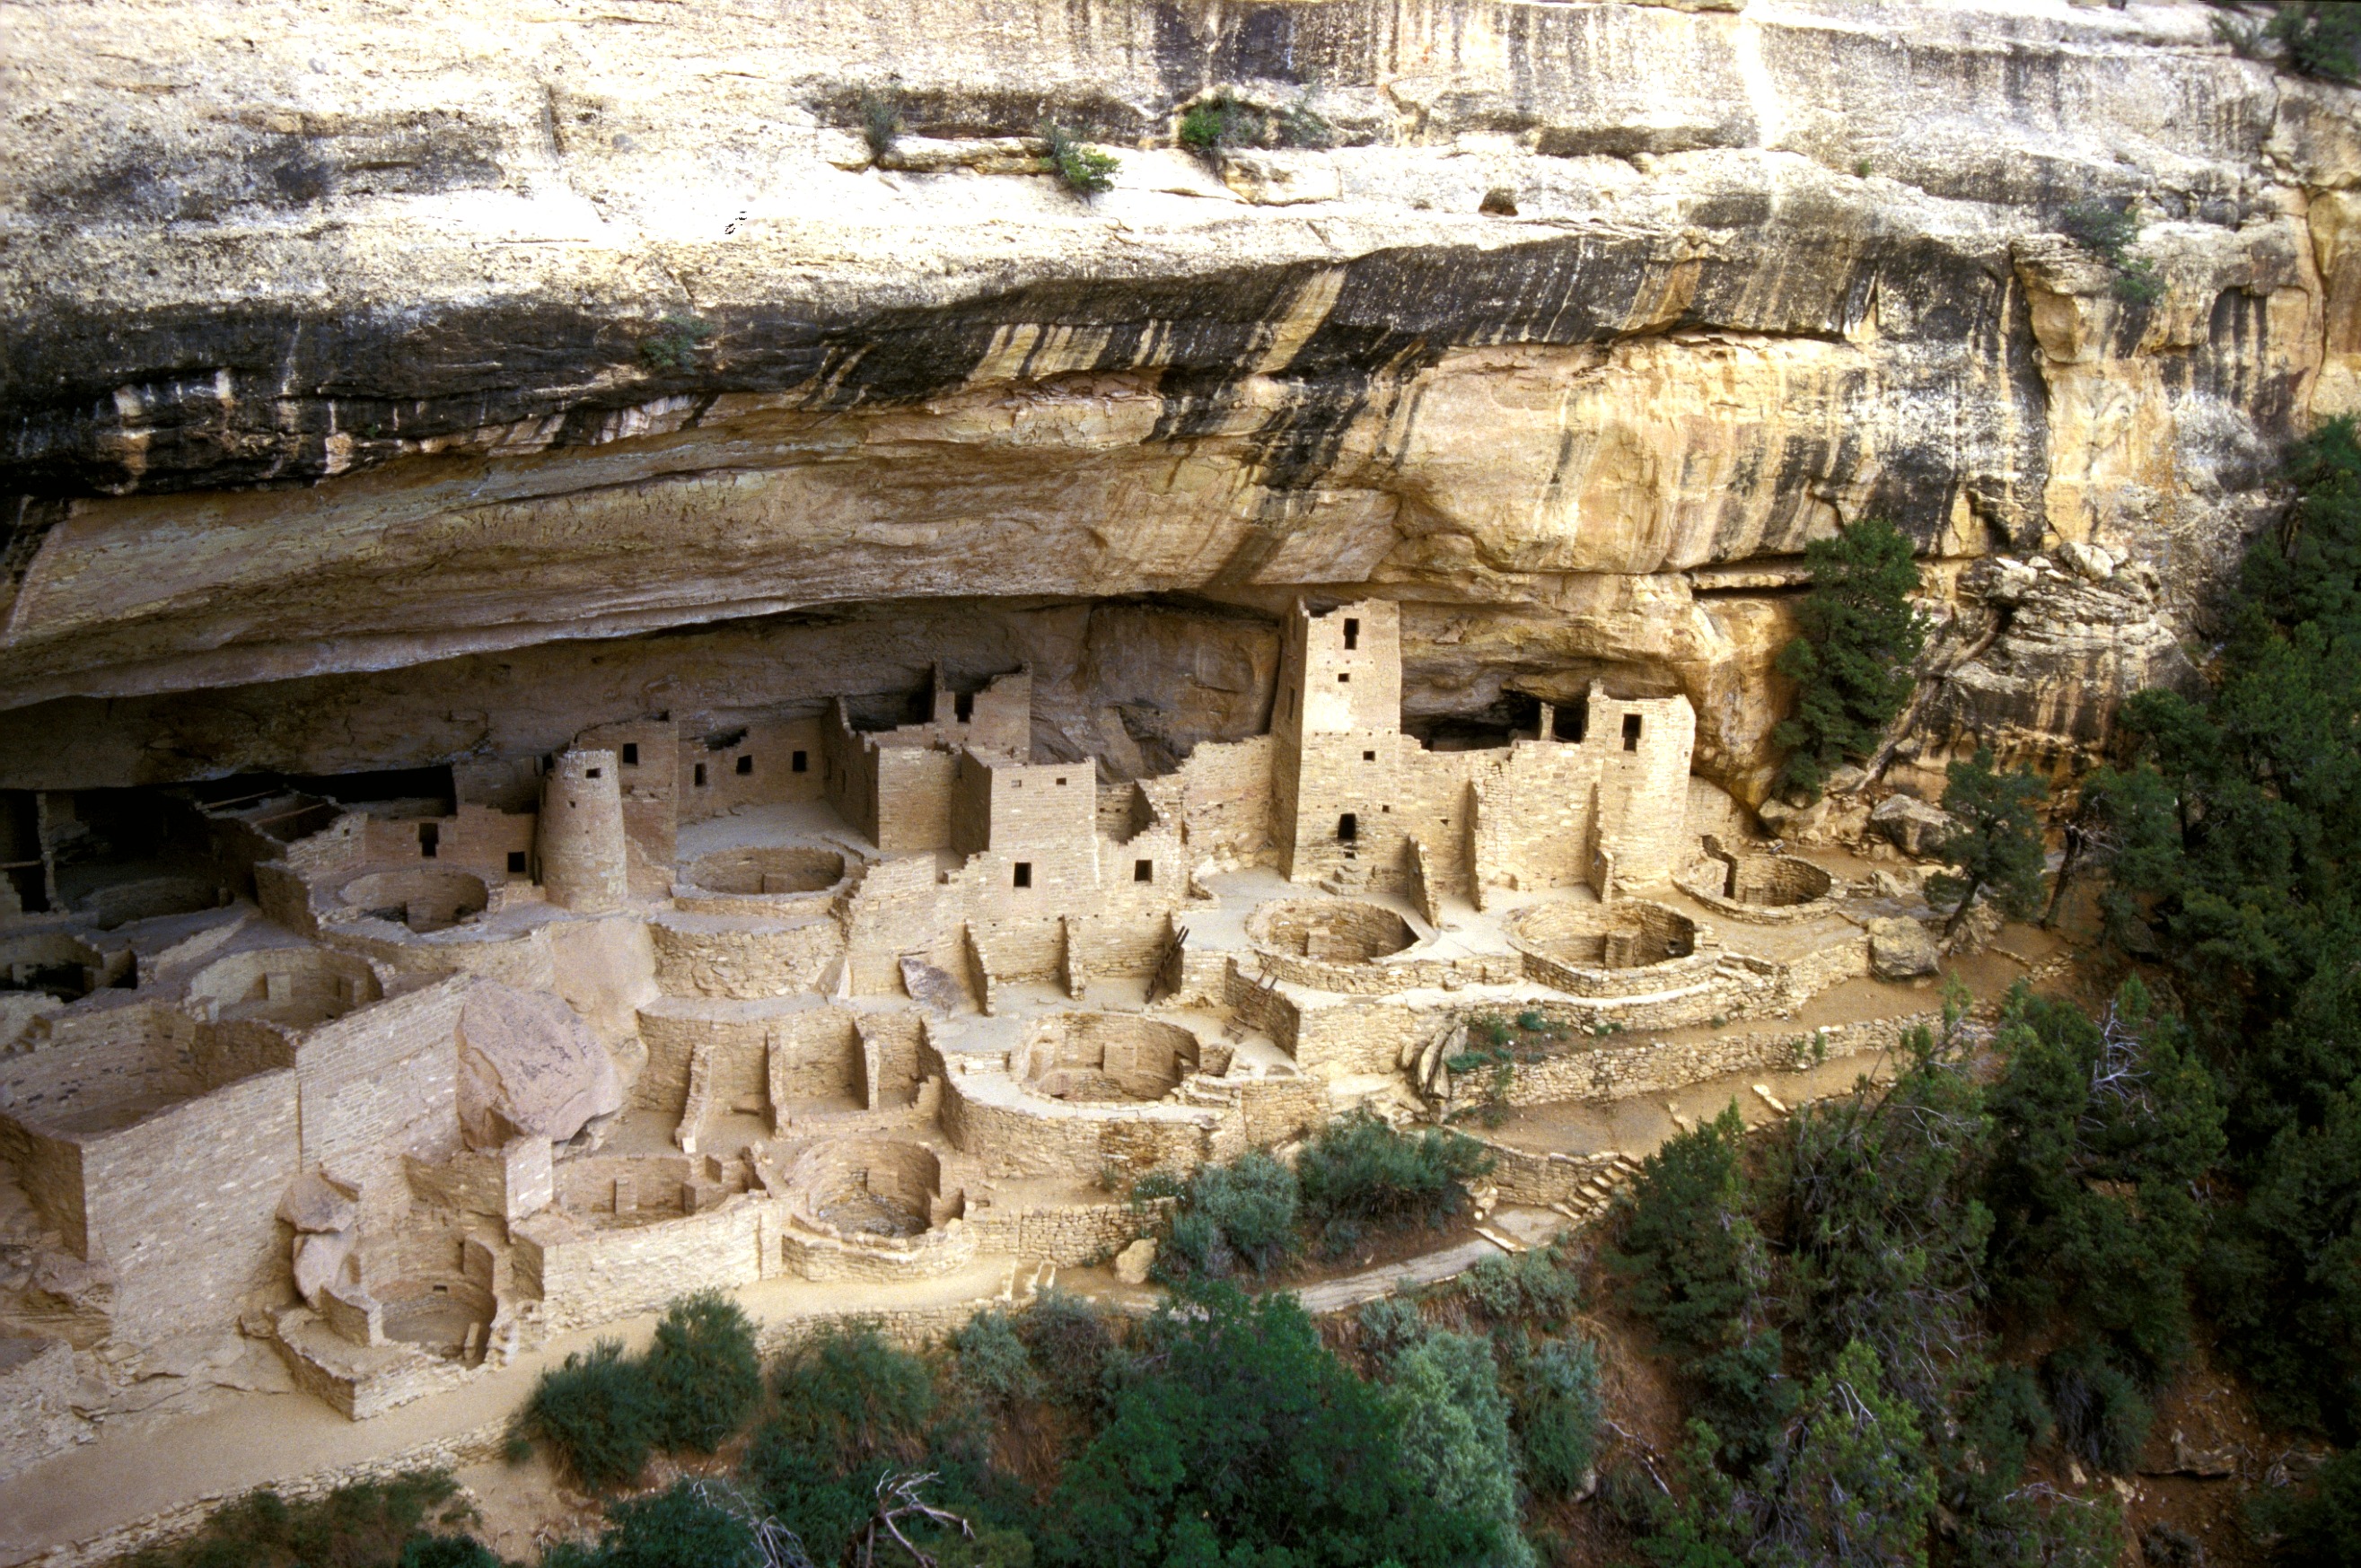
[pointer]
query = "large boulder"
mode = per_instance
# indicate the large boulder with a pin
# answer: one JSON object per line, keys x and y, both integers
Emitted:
{"x": 1915, "y": 826}
{"x": 315, "y": 1205}
{"x": 1901, "y": 950}
{"x": 529, "y": 1066}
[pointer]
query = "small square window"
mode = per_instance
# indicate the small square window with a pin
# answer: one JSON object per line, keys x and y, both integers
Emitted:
{"x": 745, "y": 766}
{"x": 799, "y": 763}
{"x": 1385, "y": 809}
{"x": 1368, "y": 756}
{"x": 516, "y": 862}
{"x": 1025, "y": 874}
{"x": 1143, "y": 871}
{"x": 1061, "y": 780}
{"x": 1342, "y": 679}
{"x": 700, "y": 775}
{"x": 592, "y": 772}
{"x": 630, "y": 754}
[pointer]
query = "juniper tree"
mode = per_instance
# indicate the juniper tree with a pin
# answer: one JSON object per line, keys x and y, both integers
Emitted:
{"x": 2246, "y": 886}
{"x": 1996, "y": 846}
{"x": 1852, "y": 664}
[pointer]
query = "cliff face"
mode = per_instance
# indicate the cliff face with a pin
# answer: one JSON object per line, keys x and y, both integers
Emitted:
{"x": 384, "y": 378}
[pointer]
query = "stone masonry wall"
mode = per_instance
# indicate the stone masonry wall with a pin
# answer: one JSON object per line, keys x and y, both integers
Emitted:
{"x": 1603, "y": 1070}
{"x": 184, "y": 1251}
{"x": 380, "y": 1083}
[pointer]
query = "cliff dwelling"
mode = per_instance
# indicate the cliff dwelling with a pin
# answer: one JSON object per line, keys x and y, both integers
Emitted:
{"x": 840, "y": 998}
{"x": 833, "y": 658}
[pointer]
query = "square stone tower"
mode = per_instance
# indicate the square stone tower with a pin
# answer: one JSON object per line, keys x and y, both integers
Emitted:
{"x": 1337, "y": 787}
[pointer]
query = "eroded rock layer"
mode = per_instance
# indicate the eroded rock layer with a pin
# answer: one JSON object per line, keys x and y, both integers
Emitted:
{"x": 390, "y": 384}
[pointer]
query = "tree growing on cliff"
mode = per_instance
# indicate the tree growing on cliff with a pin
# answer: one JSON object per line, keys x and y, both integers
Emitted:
{"x": 1851, "y": 664}
{"x": 1996, "y": 848}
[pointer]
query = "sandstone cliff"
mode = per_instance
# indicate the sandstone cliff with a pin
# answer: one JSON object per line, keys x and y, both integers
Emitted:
{"x": 390, "y": 382}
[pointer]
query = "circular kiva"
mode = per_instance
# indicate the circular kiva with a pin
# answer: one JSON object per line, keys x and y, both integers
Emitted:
{"x": 1630, "y": 933}
{"x": 1104, "y": 1057}
{"x": 65, "y": 967}
{"x": 1772, "y": 881}
{"x": 424, "y": 900}
{"x": 752, "y": 872}
{"x": 867, "y": 1192}
{"x": 1329, "y": 930}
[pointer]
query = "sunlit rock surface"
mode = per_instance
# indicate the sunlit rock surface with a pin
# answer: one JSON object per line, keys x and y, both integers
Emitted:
{"x": 383, "y": 379}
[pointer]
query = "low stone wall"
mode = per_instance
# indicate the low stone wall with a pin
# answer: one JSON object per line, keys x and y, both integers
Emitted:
{"x": 1641, "y": 948}
{"x": 1525, "y": 1176}
{"x": 1763, "y": 889}
{"x": 1385, "y": 977}
{"x": 1068, "y": 1236}
{"x": 1278, "y": 1109}
{"x": 939, "y": 1250}
{"x": 1015, "y": 1133}
{"x": 708, "y": 955}
{"x": 585, "y": 1276}
{"x": 1613, "y": 1069}
{"x": 38, "y": 1389}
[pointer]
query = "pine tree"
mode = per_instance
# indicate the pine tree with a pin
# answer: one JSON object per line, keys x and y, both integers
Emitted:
{"x": 1851, "y": 665}
{"x": 1997, "y": 845}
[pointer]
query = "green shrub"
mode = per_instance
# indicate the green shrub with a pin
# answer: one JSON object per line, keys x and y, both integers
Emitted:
{"x": 671, "y": 347}
{"x": 1455, "y": 1442}
{"x": 1081, "y": 169}
{"x": 2322, "y": 39}
{"x": 1696, "y": 1269}
{"x": 703, "y": 1371}
{"x": 2107, "y": 233}
{"x": 1390, "y": 1323}
{"x": 1359, "y": 1175}
{"x": 1242, "y": 1440}
{"x": 1193, "y": 1249}
{"x": 1071, "y": 1341}
{"x": 2104, "y": 231}
{"x": 845, "y": 1395}
{"x": 2103, "y": 1415}
{"x": 2320, "y": 1525}
{"x": 447, "y": 1551}
{"x": 689, "y": 1524}
{"x": 1536, "y": 1286}
{"x": 1695, "y": 1262}
{"x": 1220, "y": 122}
{"x": 2036, "y": 1525}
{"x": 2103, "y": 1128}
{"x": 881, "y": 122}
{"x": 990, "y": 1360}
{"x": 1557, "y": 1414}
{"x": 1854, "y": 1485}
{"x": 597, "y": 1414}
{"x": 1250, "y": 1207}
{"x": 1851, "y": 665}
{"x": 365, "y": 1525}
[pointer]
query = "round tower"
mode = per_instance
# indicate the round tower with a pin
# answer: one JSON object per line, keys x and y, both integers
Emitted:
{"x": 583, "y": 859}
